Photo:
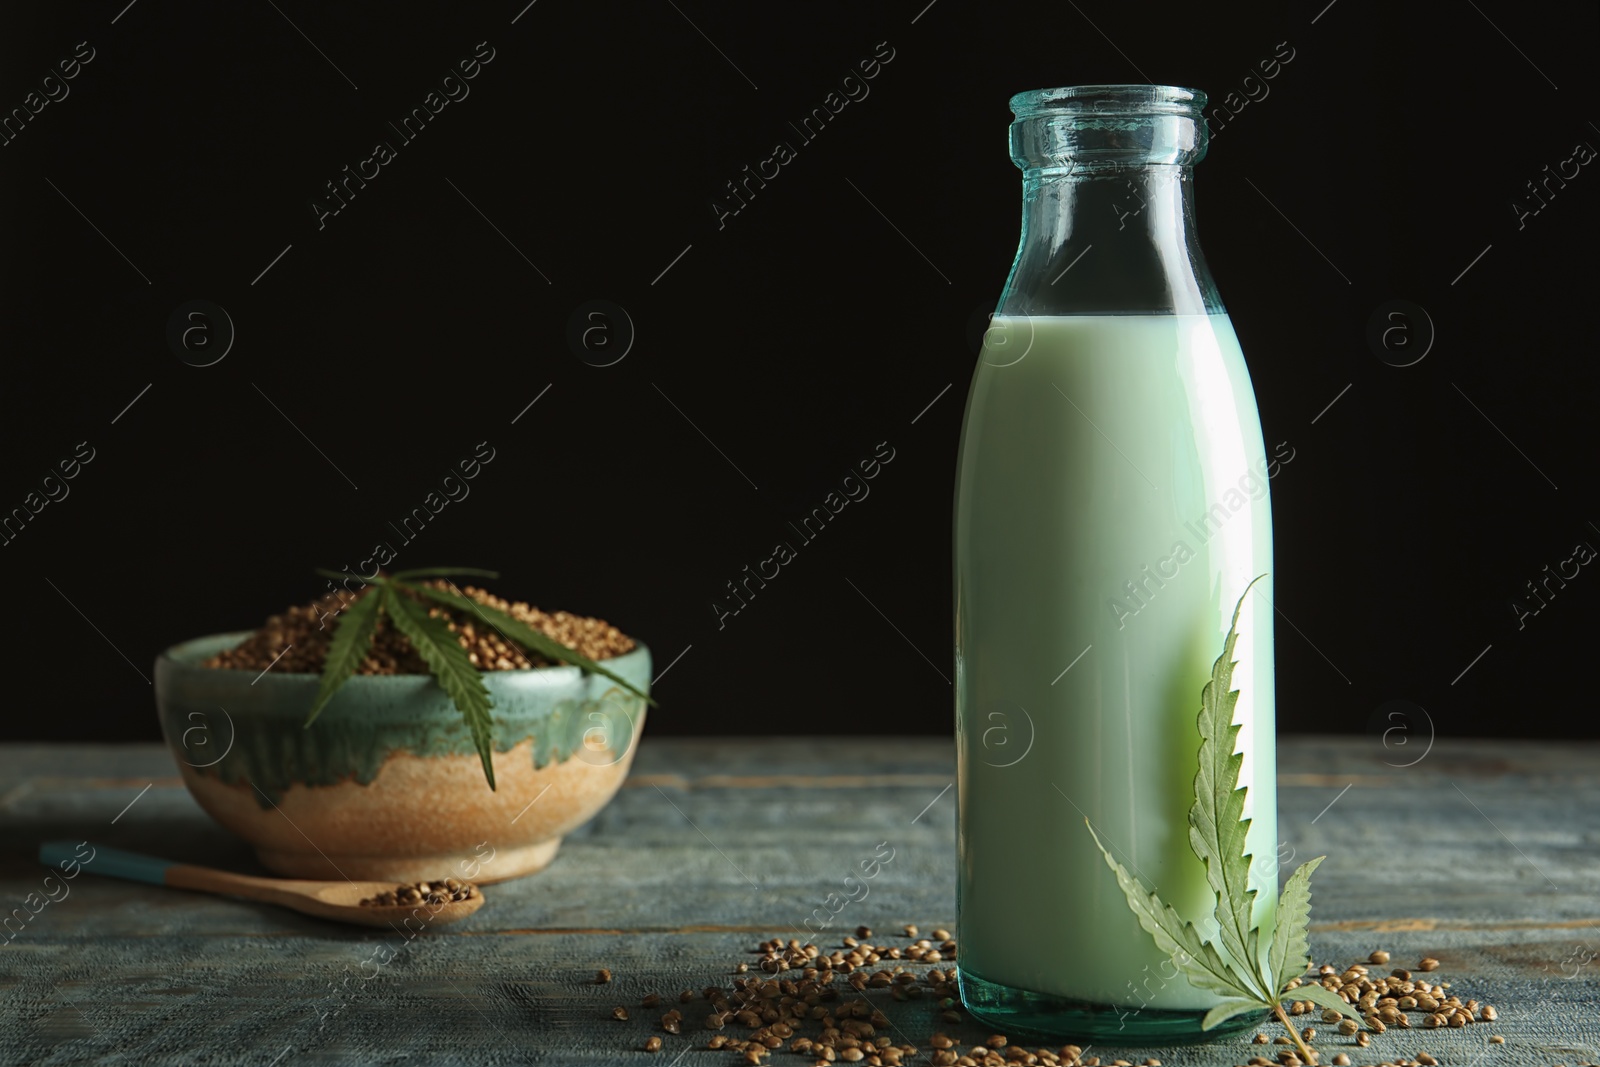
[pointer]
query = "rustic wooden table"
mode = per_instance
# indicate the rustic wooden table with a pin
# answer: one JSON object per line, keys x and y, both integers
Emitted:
{"x": 1482, "y": 854}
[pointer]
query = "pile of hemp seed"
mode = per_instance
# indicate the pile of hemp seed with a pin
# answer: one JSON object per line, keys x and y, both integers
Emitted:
{"x": 798, "y": 998}
{"x": 296, "y": 641}
{"x": 439, "y": 891}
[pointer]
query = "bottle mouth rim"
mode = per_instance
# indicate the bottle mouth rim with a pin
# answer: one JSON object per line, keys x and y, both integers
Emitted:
{"x": 1108, "y": 100}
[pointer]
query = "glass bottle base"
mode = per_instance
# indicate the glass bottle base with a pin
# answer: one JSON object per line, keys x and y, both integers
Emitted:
{"x": 1024, "y": 1012}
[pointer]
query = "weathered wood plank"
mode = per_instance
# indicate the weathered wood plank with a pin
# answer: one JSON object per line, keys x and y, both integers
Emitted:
{"x": 1483, "y": 854}
{"x": 529, "y": 998}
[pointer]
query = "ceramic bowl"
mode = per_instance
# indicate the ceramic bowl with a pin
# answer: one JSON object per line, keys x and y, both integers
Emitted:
{"x": 386, "y": 784}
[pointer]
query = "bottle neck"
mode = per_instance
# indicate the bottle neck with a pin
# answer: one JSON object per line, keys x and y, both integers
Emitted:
{"x": 1109, "y": 239}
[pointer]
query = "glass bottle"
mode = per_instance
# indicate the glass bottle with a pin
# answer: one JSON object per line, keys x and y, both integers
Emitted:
{"x": 1111, "y": 508}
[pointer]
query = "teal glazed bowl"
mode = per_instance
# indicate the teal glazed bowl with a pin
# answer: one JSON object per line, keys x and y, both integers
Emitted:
{"x": 386, "y": 784}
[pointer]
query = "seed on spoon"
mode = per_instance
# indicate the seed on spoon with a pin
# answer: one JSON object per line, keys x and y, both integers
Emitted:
{"x": 441, "y": 891}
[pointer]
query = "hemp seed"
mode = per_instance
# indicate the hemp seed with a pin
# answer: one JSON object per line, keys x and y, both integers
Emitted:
{"x": 305, "y": 629}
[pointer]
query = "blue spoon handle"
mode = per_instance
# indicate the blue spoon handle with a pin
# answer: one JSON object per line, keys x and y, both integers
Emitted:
{"x": 111, "y": 862}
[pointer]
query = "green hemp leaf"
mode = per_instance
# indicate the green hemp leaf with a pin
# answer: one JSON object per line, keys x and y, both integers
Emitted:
{"x": 515, "y": 630}
{"x": 434, "y": 641}
{"x": 402, "y": 601}
{"x": 1231, "y": 965}
{"x": 352, "y": 637}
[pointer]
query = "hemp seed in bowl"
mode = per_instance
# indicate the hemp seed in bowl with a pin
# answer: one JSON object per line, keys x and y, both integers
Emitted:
{"x": 296, "y": 641}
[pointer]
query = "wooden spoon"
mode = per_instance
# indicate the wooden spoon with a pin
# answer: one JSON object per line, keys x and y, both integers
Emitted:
{"x": 340, "y": 901}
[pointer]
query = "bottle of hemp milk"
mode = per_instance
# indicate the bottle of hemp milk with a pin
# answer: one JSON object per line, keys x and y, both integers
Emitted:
{"x": 1111, "y": 508}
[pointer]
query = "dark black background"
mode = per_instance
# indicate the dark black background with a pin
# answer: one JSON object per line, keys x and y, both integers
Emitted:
{"x": 796, "y": 338}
